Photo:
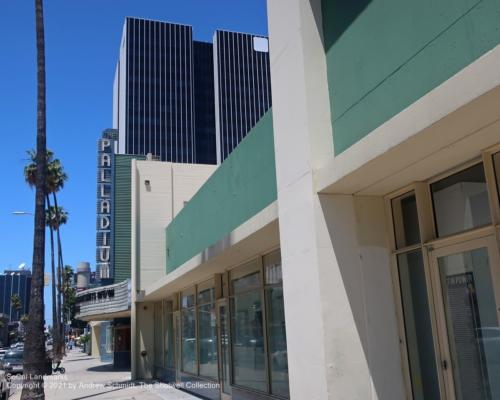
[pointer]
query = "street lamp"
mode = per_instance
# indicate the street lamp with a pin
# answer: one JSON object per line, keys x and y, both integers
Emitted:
{"x": 22, "y": 213}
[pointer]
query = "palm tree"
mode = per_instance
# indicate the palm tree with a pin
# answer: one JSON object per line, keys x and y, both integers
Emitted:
{"x": 50, "y": 220}
{"x": 34, "y": 349}
{"x": 16, "y": 304}
{"x": 57, "y": 216}
{"x": 55, "y": 179}
{"x": 55, "y": 182}
{"x": 69, "y": 293}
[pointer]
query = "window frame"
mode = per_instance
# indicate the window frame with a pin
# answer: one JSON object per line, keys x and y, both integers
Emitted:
{"x": 188, "y": 291}
{"x": 207, "y": 284}
{"x": 254, "y": 266}
{"x": 429, "y": 241}
{"x": 257, "y": 264}
{"x": 427, "y": 231}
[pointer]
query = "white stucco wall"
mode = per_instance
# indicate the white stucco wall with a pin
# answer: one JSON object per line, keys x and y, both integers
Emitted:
{"x": 170, "y": 187}
{"x": 159, "y": 191}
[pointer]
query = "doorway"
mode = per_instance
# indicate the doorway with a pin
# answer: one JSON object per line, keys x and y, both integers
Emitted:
{"x": 465, "y": 284}
{"x": 224, "y": 349}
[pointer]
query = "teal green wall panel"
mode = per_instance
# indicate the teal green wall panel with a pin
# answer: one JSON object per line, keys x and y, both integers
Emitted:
{"x": 122, "y": 209}
{"x": 383, "y": 55}
{"x": 243, "y": 185}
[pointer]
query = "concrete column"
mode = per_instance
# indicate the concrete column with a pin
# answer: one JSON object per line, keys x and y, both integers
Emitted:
{"x": 145, "y": 351}
{"x": 142, "y": 314}
{"x": 96, "y": 339}
{"x": 341, "y": 330}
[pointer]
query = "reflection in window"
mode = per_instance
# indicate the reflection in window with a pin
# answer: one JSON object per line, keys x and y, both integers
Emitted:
{"x": 188, "y": 339}
{"x": 461, "y": 201}
{"x": 169, "y": 335}
{"x": 404, "y": 210}
{"x": 419, "y": 342}
{"x": 278, "y": 359}
{"x": 472, "y": 321}
{"x": 206, "y": 296}
{"x": 249, "y": 363}
{"x": 207, "y": 334}
{"x": 496, "y": 163}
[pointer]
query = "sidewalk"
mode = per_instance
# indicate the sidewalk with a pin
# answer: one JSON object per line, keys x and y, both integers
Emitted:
{"x": 87, "y": 378}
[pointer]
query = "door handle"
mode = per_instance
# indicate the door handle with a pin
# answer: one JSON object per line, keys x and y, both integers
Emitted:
{"x": 445, "y": 364}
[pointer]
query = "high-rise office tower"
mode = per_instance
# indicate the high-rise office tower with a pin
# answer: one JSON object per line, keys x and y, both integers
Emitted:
{"x": 184, "y": 100}
{"x": 15, "y": 282}
{"x": 204, "y": 104}
{"x": 242, "y": 86}
{"x": 154, "y": 88}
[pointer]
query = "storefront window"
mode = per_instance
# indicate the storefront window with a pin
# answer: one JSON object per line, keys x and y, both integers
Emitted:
{"x": 461, "y": 201}
{"x": 472, "y": 322}
{"x": 207, "y": 333}
{"x": 188, "y": 328}
{"x": 169, "y": 335}
{"x": 278, "y": 360}
{"x": 249, "y": 359}
{"x": 277, "y": 349}
{"x": 417, "y": 323}
{"x": 404, "y": 209}
{"x": 496, "y": 163}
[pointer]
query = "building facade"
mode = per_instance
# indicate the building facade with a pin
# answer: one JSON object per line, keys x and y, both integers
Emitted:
{"x": 16, "y": 282}
{"x": 348, "y": 248}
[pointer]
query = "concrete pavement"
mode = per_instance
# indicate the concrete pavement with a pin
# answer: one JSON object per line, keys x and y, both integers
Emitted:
{"x": 87, "y": 378}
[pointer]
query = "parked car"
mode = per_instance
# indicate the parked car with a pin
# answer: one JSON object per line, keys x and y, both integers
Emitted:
{"x": 13, "y": 362}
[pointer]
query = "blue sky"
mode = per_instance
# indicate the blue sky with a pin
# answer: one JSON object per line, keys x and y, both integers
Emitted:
{"x": 82, "y": 39}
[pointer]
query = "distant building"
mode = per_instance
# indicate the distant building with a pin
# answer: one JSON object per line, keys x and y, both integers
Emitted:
{"x": 204, "y": 103}
{"x": 187, "y": 101}
{"x": 83, "y": 275}
{"x": 15, "y": 282}
{"x": 242, "y": 86}
{"x": 153, "y": 107}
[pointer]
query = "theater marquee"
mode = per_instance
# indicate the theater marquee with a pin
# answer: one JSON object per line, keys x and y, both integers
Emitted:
{"x": 106, "y": 148}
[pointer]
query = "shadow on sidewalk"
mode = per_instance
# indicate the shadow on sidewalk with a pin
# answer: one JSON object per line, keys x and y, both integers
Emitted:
{"x": 78, "y": 359}
{"x": 97, "y": 394}
{"x": 107, "y": 368}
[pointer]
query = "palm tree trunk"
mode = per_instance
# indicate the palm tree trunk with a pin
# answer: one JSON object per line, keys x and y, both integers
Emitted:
{"x": 59, "y": 278}
{"x": 55, "y": 318}
{"x": 34, "y": 348}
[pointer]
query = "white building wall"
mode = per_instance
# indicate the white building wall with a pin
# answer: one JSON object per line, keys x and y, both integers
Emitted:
{"x": 336, "y": 265}
{"x": 154, "y": 212}
{"x": 159, "y": 191}
{"x": 170, "y": 187}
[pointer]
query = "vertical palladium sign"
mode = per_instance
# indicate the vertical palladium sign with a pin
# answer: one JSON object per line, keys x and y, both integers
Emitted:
{"x": 105, "y": 151}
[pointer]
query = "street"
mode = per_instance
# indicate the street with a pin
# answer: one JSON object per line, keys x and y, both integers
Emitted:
{"x": 88, "y": 378}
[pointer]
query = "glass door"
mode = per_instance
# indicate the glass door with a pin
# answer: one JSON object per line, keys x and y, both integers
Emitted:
{"x": 224, "y": 349}
{"x": 465, "y": 280}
